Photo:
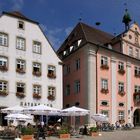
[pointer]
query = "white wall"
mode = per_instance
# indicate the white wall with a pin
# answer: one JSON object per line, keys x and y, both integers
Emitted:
{"x": 32, "y": 32}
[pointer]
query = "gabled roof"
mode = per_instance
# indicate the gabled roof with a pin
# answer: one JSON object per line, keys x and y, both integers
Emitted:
{"x": 87, "y": 34}
{"x": 19, "y": 15}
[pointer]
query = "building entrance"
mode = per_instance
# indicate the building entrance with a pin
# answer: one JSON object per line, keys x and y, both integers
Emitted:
{"x": 136, "y": 118}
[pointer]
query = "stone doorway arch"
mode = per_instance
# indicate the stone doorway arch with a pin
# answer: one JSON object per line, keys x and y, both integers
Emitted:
{"x": 136, "y": 117}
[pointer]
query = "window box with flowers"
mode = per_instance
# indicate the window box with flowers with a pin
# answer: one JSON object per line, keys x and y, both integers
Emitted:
{"x": 37, "y": 73}
{"x": 36, "y": 95}
{"x": 137, "y": 75}
{"x": 3, "y": 68}
{"x": 51, "y": 75}
{"x": 122, "y": 93}
{"x": 20, "y": 94}
{"x": 3, "y": 93}
{"x": 51, "y": 97}
{"x": 19, "y": 70}
{"x": 105, "y": 66}
{"x": 103, "y": 90}
{"x": 121, "y": 71}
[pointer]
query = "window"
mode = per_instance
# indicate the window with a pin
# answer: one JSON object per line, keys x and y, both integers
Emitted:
{"x": 137, "y": 89}
{"x": 66, "y": 69}
{"x": 67, "y": 105}
{"x": 121, "y": 104}
{"x": 20, "y": 87}
{"x": 20, "y": 66}
{"x": 121, "y": 115}
{"x": 130, "y": 51}
{"x": 3, "y": 39}
{"x": 21, "y": 25}
{"x": 105, "y": 112}
{"x": 67, "y": 90}
{"x": 36, "y": 47}
{"x": 77, "y": 64}
{"x": 51, "y": 93}
{"x": 51, "y": 71}
{"x": 104, "y": 84}
{"x": 104, "y": 60}
{"x": 20, "y": 44}
{"x": 137, "y": 71}
{"x": 77, "y": 104}
{"x": 121, "y": 66}
{"x": 3, "y": 86}
{"x": 3, "y": 63}
{"x": 104, "y": 103}
{"x": 36, "y": 69}
{"x": 121, "y": 87}
{"x": 137, "y": 53}
{"x": 77, "y": 86}
{"x": 37, "y": 89}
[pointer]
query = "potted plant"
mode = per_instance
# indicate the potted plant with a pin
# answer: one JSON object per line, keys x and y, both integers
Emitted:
{"x": 27, "y": 133}
{"x": 64, "y": 133}
{"x": 94, "y": 131}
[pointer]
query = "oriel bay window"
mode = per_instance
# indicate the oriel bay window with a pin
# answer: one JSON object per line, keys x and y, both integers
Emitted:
{"x": 36, "y": 91}
{"x": 20, "y": 87}
{"x": 3, "y": 88}
{"x": 3, "y": 39}
{"x": 51, "y": 71}
{"x": 20, "y": 66}
{"x": 36, "y": 69}
{"x": 51, "y": 93}
{"x": 104, "y": 62}
{"x": 3, "y": 63}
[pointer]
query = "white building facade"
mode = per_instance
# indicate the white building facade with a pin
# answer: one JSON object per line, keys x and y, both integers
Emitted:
{"x": 30, "y": 70}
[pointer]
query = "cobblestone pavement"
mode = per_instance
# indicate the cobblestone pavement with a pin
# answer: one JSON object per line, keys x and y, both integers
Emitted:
{"x": 115, "y": 135}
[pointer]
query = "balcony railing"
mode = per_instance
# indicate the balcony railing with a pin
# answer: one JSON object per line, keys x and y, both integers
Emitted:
{"x": 104, "y": 67}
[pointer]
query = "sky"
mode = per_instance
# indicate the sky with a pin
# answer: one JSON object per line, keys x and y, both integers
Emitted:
{"x": 58, "y": 17}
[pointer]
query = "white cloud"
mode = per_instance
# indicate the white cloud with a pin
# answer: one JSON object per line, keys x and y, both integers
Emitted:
{"x": 17, "y": 4}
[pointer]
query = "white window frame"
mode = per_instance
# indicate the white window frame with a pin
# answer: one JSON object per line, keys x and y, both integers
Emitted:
{"x": 52, "y": 68}
{"x": 121, "y": 115}
{"x": 3, "y": 61}
{"x": 104, "y": 60}
{"x": 121, "y": 66}
{"x": 21, "y": 64}
{"x": 137, "y": 70}
{"x": 37, "y": 89}
{"x": 21, "y": 22}
{"x": 51, "y": 90}
{"x": 121, "y": 87}
{"x": 105, "y": 112}
{"x": 21, "y": 85}
{"x": 3, "y": 86}
{"x": 130, "y": 51}
{"x": 3, "y": 39}
{"x": 20, "y": 43}
{"x": 37, "y": 47}
{"x": 137, "y": 89}
{"x": 104, "y": 83}
{"x": 37, "y": 65}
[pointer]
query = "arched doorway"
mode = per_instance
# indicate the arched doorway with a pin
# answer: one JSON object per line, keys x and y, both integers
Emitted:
{"x": 136, "y": 118}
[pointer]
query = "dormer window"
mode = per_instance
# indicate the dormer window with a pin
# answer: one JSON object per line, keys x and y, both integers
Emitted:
{"x": 21, "y": 25}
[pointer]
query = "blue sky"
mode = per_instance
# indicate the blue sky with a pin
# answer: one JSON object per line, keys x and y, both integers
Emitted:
{"x": 59, "y": 17}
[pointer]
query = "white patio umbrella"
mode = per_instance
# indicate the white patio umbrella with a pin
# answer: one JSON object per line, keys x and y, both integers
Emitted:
{"x": 19, "y": 117}
{"x": 99, "y": 118}
{"x": 42, "y": 110}
{"x": 74, "y": 111}
{"x": 14, "y": 109}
